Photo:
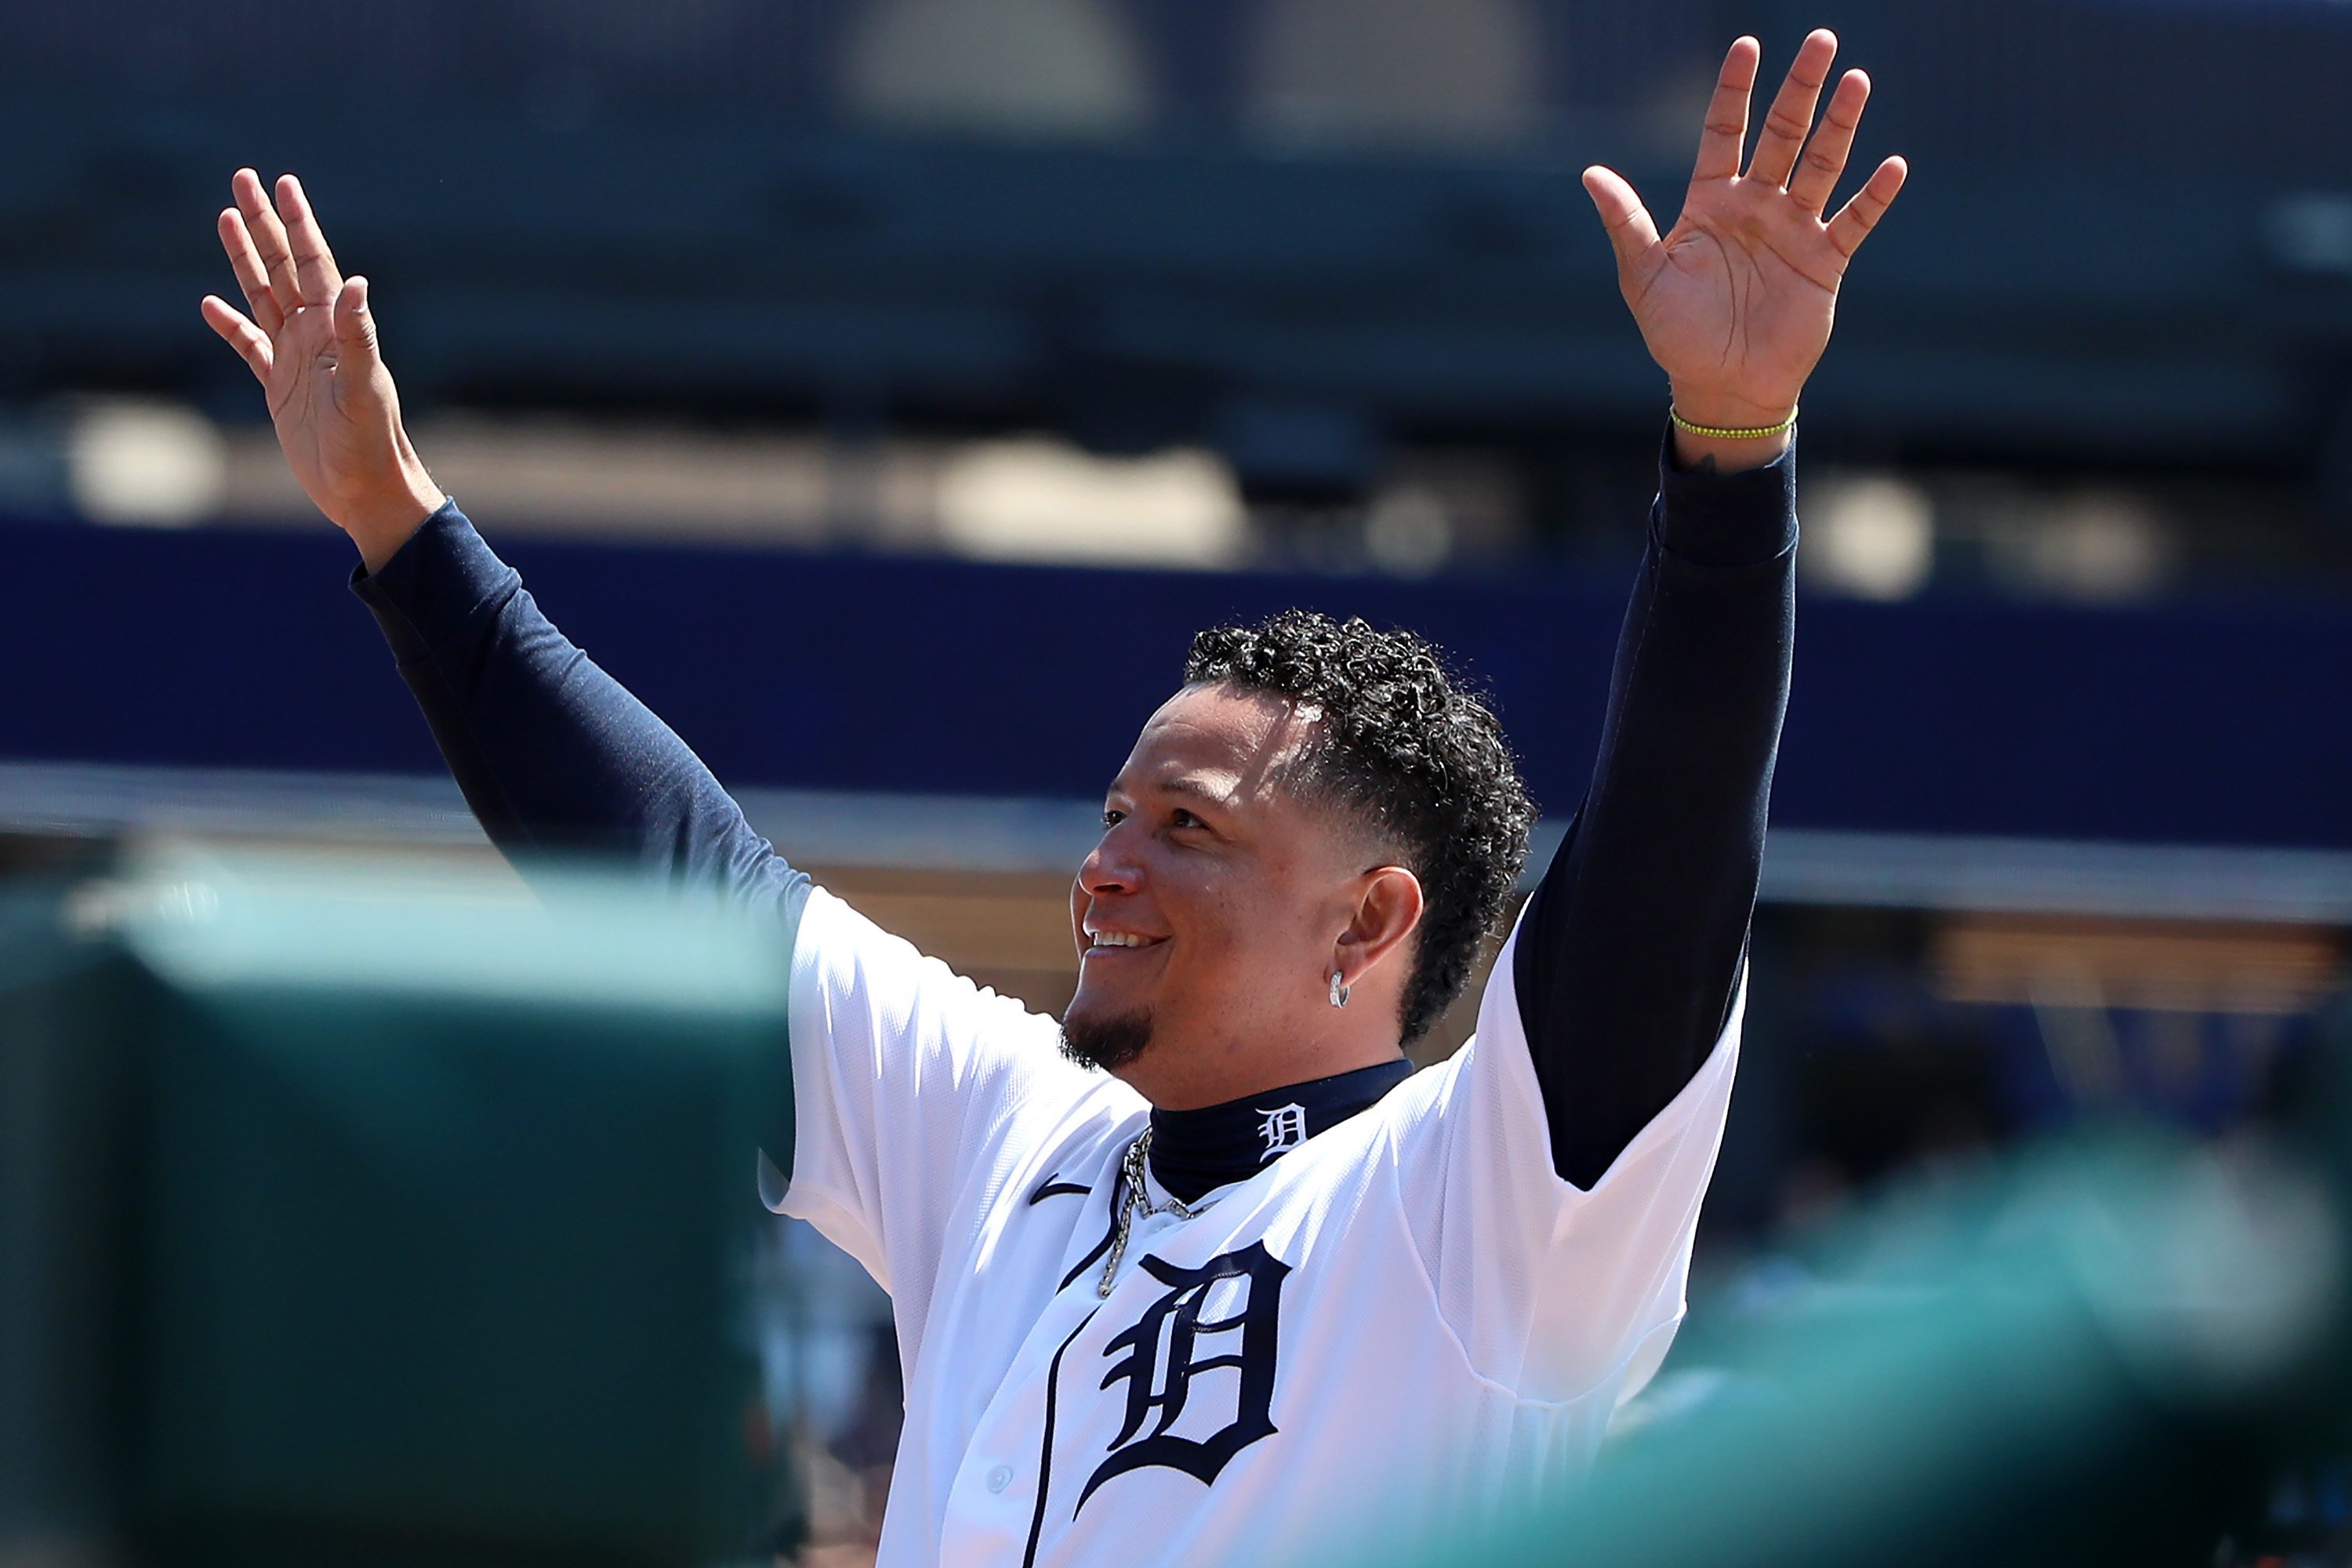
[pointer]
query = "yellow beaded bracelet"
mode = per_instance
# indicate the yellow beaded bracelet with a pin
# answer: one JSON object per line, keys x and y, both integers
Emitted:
{"x": 1758, "y": 433}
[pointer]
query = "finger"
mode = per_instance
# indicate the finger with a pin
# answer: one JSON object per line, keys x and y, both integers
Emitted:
{"x": 268, "y": 237}
{"x": 1859, "y": 217}
{"x": 251, "y": 341}
{"x": 314, "y": 264}
{"x": 251, "y": 275}
{"x": 355, "y": 340}
{"x": 1824, "y": 160}
{"x": 1633, "y": 235}
{"x": 1790, "y": 118}
{"x": 1725, "y": 131}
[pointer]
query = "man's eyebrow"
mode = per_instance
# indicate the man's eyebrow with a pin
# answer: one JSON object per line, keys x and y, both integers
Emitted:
{"x": 1181, "y": 784}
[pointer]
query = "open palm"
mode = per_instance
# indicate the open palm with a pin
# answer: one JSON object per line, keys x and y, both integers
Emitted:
{"x": 311, "y": 342}
{"x": 1736, "y": 301}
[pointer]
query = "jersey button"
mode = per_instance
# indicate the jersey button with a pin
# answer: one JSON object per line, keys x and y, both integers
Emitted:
{"x": 1000, "y": 1477}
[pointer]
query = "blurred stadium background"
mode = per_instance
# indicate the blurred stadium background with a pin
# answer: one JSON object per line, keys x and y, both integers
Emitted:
{"x": 884, "y": 389}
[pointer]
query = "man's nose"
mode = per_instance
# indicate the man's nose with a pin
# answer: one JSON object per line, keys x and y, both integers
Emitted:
{"x": 1111, "y": 869}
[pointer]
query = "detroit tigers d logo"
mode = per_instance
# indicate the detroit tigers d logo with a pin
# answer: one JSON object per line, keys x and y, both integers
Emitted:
{"x": 1247, "y": 1337}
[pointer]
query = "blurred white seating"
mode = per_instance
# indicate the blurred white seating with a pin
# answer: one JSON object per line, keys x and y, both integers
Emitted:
{"x": 1018, "y": 68}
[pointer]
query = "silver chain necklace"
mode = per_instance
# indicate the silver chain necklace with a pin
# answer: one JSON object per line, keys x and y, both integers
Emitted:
{"x": 1136, "y": 1200}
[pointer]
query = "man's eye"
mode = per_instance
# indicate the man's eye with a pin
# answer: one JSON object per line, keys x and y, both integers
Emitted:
{"x": 1112, "y": 818}
{"x": 1182, "y": 819}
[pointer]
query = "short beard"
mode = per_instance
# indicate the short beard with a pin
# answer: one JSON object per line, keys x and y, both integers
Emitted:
{"x": 1110, "y": 1044}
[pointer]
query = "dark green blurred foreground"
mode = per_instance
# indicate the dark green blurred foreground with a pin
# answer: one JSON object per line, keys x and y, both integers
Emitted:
{"x": 351, "y": 1222}
{"x": 2107, "y": 1354}
{"x": 348, "y": 1223}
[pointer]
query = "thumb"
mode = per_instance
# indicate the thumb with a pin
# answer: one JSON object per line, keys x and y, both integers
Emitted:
{"x": 355, "y": 341}
{"x": 1631, "y": 234}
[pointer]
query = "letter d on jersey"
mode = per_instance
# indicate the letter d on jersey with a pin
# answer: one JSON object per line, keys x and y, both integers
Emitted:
{"x": 1284, "y": 1128}
{"x": 1175, "y": 1321}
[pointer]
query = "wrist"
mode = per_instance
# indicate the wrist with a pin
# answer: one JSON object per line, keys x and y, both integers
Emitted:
{"x": 1731, "y": 410}
{"x": 1728, "y": 415}
{"x": 381, "y": 520}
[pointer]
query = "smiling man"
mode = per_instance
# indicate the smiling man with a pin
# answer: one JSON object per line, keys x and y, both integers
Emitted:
{"x": 1205, "y": 1273}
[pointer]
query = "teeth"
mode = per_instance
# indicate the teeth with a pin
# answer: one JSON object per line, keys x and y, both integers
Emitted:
{"x": 1115, "y": 939}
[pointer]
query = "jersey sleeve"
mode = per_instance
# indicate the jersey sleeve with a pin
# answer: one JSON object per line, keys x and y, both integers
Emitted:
{"x": 918, "y": 1093}
{"x": 1558, "y": 1291}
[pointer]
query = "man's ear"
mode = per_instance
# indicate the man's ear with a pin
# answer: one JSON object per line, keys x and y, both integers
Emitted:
{"x": 1387, "y": 914}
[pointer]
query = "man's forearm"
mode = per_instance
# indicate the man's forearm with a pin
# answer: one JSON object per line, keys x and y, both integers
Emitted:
{"x": 1629, "y": 954}
{"x": 552, "y": 752}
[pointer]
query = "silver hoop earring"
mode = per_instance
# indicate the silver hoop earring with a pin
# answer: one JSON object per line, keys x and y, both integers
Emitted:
{"x": 1340, "y": 990}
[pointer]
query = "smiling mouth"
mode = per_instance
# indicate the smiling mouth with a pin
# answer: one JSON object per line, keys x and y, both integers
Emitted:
{"x": 1101, "y": 941}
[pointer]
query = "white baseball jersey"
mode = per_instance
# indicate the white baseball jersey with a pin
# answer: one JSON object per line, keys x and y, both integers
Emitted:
{"x": 1406, "y": 1318}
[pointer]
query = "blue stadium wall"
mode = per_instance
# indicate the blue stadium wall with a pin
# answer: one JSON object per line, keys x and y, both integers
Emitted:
{"x": 2216, "y": 723}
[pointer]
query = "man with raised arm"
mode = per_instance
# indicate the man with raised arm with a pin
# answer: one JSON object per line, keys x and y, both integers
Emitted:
{"x": 1205, "y": 1273}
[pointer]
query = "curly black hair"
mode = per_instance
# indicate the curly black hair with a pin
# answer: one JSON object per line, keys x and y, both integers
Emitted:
{"x": 1405, "y": 743}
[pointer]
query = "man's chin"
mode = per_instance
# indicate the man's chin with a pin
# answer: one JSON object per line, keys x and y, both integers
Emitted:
{"x": 1108, "y": 1042}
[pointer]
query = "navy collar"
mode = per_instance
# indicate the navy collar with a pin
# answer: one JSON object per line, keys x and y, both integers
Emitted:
{"x": 1194, "y": 1151}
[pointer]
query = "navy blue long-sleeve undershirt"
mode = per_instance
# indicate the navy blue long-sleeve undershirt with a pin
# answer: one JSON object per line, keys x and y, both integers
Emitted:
{"x": 1628, "y": 955}
{"x": 1630, "y": 951}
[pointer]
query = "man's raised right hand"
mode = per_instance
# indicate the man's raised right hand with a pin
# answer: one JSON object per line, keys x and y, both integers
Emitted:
{"x": 311, "y": 342}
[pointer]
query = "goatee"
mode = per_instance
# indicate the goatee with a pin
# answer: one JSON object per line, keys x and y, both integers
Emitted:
{"x": 1106, "y": 1043}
